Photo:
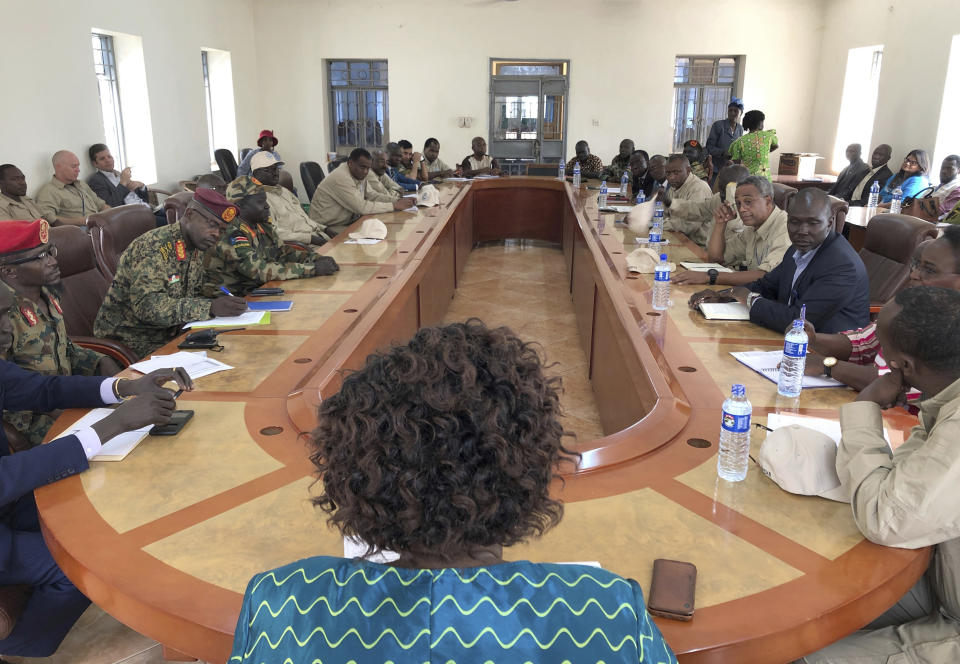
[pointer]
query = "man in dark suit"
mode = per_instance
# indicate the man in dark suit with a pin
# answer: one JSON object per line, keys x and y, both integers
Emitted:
{"x": 115, "y": 187}
{"x": 879, "y": 172}
{"x": 821, "y": 270}
{"x": 55, "y": 603}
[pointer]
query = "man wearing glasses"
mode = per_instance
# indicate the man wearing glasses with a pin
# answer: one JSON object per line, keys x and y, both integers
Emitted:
{"x": 29, "y": 271}
{"x": 854, "y": 357}
{"x": 159, "y": 281}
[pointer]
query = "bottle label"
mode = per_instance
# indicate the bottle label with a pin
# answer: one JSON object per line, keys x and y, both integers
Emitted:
{"x": 661, "y": 275}
{"x": 736, "y": 423}
{"x": 793, "y": 349}
{"x": 653, "y": 237}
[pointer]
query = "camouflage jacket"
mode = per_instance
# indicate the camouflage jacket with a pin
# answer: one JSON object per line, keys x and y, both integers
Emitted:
{"x": 614, "y": 171}
{"x": 157, "y": 289}
{"x": 246, "y": 257}
{"x": 40, "y": 344}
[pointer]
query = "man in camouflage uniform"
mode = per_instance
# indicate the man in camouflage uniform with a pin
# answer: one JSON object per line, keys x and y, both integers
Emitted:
{"x": 159, "y": 279}
{"x": 250, "y": 253}
{"x": 620, "y": 163}
{"x": 28, "y": 266}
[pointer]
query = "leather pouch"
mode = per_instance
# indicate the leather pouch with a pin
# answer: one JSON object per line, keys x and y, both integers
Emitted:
{"x": 672, "y": 589}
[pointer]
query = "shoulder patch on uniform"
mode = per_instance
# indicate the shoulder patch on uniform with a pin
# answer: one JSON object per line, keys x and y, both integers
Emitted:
{"x": 29, "y": 315}
{"x": 239, "y": 239}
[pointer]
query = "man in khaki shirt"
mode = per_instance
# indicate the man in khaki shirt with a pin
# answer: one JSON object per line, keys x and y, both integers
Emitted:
{"x": 66, "y": 199}
{"x": 694, "y": 217}
{"x": 342, "y": 197}
{"x": 908, "y": 498}
{"x": 757, "y": 249}
{"x": 291, "y": 222}
{"x": 686, "y": 187}
{"x": 380, "y": 187}
{"x": 14, "y": 202}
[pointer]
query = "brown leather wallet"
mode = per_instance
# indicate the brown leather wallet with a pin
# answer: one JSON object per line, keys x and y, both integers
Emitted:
{"x": 672, "y": 589}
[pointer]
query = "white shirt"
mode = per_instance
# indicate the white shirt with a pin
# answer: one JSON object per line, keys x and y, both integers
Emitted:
{"x": 88, "y": 437}
{"x": 131, "y": 198}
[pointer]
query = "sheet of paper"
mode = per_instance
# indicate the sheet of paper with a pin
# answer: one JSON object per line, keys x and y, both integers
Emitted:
{"x": 485, "y": 177}
{"x": 725, "y": 311}
{"x": 456, "y": 179}
{"x": 765, "y": 362}
{"x": 197, "y": 365}
{"x": 829, "y": 427}
{"x": 646, "y": 240}
{"x": 363, "y": 240}
{"x": 617, "y": 208}
{"x": 248, "y": 318}
{"x": 703, "y": 267}
{"x": 613, "y": 190}
{"x": 117, "y": 447}
{"x": 270, "y": 305}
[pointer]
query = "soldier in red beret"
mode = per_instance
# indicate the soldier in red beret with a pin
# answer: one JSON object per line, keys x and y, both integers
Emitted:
{"x": 159, "y": 281}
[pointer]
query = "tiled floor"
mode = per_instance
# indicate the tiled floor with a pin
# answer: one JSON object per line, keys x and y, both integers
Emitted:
{"x": 522, "y": 286}
{"x": 526, "y": 287}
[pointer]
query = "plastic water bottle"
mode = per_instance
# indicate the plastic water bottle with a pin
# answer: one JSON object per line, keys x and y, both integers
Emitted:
{"x": 624, "y": 184}
{"x": 656, "y": 227}
{"x": 661, "y": 284}
{"x": 790, "y": 382}
{"x": 561, "y": 171}
{"x": 897, "y": 201}
{"x": 734, "y": 452}
{"x": 873, "y": 199}
{"x": 641, "y": 197}
{"x": 603, "y": 195}
{"x": 576, "y": 174}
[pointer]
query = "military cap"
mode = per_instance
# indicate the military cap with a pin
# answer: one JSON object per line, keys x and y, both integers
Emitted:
{"x": 214, "y": 203}
{"x": 16, "y": 236}
{"x": 242, "y": 187}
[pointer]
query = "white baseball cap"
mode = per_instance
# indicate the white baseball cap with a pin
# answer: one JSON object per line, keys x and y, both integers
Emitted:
{"x": 263, "y": 159}
{"x": 428, "y": 196}
{"x": 370, "y": 229}
{"x": 802, "y": 461}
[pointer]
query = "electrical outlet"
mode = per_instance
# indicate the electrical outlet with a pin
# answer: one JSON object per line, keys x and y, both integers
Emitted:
{"x": 596, "y": 123}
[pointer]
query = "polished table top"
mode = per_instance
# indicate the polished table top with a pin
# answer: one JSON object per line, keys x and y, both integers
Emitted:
{"x": 166, "y": 540}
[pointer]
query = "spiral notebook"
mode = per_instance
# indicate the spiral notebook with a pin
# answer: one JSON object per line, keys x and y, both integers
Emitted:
{"x": 766, "y": 362}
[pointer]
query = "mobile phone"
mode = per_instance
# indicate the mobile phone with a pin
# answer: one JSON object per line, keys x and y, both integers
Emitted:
{"x": 672, "y": 589}
{"x": 266, "y": 291}
{"x": 177, "y": 421}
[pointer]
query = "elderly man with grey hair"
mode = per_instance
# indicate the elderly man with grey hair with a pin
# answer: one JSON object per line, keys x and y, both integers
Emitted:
{"x": 66, "y": 199}
{"x": 757, "y": 249}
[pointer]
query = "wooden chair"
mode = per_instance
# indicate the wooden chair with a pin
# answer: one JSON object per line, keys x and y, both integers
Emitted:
{"x": 838, "y": 212}
{"x": 113, "y": 230}
{"x": 782, "y": 195}
{"x": 176, "y": 205}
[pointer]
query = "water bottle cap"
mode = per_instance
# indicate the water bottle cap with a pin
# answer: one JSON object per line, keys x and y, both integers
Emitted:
{"x": 663, "y": 257}
{"x": 798, "y": 323}
{"x": 739, "y": 390}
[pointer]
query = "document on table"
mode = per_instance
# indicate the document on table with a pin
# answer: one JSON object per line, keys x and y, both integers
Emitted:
{"x": 270, "y": 305}
{"x": 765, "y": 362}
{"x": 725, "y": 311}
{"x": 703, "y": 267}
{"x": 117, "y": 447}
{"x": 485, "y": 177}
{"x": 248, "y": 318}
{"x": 363, "y": 240}
{"x": 830, "y": 428}
{"x": 612, "y": 190}
{"x": 456, "y": 179}
{"x": 617, "y": 208}
{"x": 197, "y": 365}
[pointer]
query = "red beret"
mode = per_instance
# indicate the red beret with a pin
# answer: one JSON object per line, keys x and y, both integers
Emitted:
{"x": 214, "y": 203}
{"x": 23, "y": 235}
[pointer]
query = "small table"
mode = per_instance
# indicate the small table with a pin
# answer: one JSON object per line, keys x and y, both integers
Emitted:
{"x": 824, "y": 182}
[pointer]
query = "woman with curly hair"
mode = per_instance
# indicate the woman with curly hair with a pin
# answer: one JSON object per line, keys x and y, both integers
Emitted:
{"x": 443, "y": 451}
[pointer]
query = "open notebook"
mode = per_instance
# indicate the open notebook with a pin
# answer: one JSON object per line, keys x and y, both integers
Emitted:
{"x": 765, "y": 363}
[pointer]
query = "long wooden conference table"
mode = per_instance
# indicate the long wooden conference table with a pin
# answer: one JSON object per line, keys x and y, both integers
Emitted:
{"x": 166, "y": 540}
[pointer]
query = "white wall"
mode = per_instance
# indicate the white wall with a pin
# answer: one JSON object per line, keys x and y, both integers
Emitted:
{"x": 52, "y": 100}
{"x": 621, "y": 51}
{"x": 916, "y": 38}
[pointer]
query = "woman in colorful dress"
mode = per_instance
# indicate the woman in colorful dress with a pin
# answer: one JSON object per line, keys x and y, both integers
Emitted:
{"x": 753, "y": 148}
{"x": 443, "y": 451}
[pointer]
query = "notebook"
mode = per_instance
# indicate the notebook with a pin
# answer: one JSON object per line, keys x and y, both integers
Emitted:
{"x": 118, "y": 447}
{"x": 270, "y": 305}
{"x": 703, "y": 267}
{"x": 765, "y": 363}
{"x": 725, "y": 311}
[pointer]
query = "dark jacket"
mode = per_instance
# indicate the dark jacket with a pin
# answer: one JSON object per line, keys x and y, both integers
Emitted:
{"x": 114, "y": 196}
{"x": 23, "y": 472}
{"x": 880, "y": 176}
{"x": 834, "y": 286}
{"x": 848, "y": 180}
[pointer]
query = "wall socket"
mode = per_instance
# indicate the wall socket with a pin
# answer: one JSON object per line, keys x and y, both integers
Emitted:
{"x": 596, "y": 123}
{"x": 464, "y": 122}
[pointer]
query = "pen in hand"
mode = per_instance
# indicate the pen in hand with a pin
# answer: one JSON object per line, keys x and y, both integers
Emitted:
{"x": 225, "y": 291}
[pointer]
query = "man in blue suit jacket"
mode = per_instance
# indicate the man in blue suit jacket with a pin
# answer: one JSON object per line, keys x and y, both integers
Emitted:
{"x": 55, "y": 603}
{"x": 821, "y": 270}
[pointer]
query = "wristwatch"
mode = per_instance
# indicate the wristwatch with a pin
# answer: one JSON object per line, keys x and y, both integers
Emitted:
{"x": 712, "y": 273}
{"x": 828, "y": 364}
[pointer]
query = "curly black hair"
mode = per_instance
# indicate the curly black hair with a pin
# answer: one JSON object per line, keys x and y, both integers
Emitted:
{"x": 445, "y": 444}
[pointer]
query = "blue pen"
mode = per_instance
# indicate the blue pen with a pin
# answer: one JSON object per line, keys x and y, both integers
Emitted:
{"x": 225, "y": 291}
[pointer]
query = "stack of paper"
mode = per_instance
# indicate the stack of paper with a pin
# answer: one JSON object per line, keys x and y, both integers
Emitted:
{"x": 829, "y": 427}
{"x": 766, "y": 363}
{"x": 117, "y": 447}
{"x": 704, "y": 267}
{"x": 196, "y": 365}
{"x": 248, "y": 318}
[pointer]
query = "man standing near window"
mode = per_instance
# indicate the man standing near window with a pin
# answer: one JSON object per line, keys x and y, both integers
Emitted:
{"x": 723, "y": 133}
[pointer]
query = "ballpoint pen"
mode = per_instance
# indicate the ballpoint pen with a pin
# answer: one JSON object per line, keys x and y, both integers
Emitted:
{"x": 225, "y": 291}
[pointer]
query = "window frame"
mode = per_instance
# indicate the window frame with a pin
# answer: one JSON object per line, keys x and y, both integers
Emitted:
{"x": 361, "y": 87}
{"x": 735, "y": 87}
{"x": 109, "y": 73}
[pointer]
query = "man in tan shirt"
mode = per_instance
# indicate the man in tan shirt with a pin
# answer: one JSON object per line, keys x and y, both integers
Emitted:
{"x": 67, "y": 199}
{"x": 14, "y": 202}
{"x": 687, "y": 187}
{"x": 757, "y": 249}
{"x": 908, "y": 497}
{"x": 342, "y": 197}
{"x": 291, "y": 222}
{"x": 694, "y": 218}
{"x": 380, "y": 186}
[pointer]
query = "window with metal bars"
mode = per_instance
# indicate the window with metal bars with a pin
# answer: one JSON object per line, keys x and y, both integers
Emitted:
{"x": 359, "y": 105}
{"x": 105, "y": 66}
{"x": 702, "y": 88}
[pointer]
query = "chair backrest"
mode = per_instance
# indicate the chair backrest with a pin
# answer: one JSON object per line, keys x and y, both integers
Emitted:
{"x": 227, "y": 164}
{"x": 188, "y": 185}
{"x": 311, "y": 173}
{"x": 286, "y": 181}
{"x": 84, "y": 285}
{"x": 334, "y": 163}
{"x": 113, "y": 230}
{"x": 887, "y": 250}
{"x": 13, "y": 599}
{"x": 838, "y": 212}
{"x": 543, "y": 169}
{"x": 176, "y": 205}
{"x": 782, "y": 195}
{"x": 244, "y": 152}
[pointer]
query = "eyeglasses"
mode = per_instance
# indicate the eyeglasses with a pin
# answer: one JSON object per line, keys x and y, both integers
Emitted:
{"x": 927, "y": 272}
{"x": 51, "y": 251}
{"x": 911, "y": 162}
